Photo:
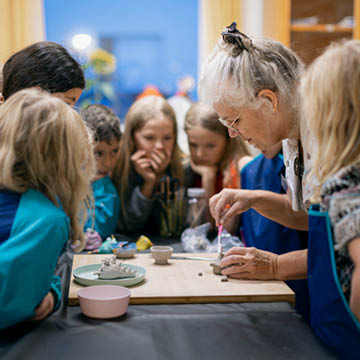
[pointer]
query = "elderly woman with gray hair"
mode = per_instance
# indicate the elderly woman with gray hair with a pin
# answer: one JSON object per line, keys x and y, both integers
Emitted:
{"x": 255, "y": 82}
{"x": 251, "y": 84}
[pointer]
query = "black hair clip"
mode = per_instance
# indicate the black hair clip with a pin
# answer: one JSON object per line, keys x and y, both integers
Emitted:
{"x": 233, "y": 36}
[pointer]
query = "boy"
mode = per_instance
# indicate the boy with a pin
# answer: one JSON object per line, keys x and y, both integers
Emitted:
{"x": 106, "y": 134}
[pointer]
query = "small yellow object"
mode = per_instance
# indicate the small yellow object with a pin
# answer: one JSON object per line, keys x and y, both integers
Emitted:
{"x": 143, "y": 243}
{"x": 102, "y": 61}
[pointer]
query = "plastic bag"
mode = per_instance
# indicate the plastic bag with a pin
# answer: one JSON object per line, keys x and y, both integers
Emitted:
{"x": 195, "y": 240}
{"x": 227, "y": 241}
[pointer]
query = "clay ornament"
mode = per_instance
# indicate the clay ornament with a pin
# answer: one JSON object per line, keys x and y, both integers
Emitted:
{"x": 110, "y": 269}
{"x": 215, "y": 265}
{"x": 125, "y": 250}
{"x": 217, "y": 269}
{"x": 93, "y": 239}
{"x": 161, "y": 254}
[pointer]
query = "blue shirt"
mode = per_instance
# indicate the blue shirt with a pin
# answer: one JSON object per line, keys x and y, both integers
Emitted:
{"x": 33, "y": 232}
{"x": 107, "y": 207}
{"x": 265, "y": 234}
{"x": 259, "y": 231}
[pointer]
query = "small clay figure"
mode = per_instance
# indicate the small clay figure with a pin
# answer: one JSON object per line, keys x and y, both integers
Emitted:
{"x": 200, "y": 273}
{"x": 215, "y": 265}
{"x": 111, "y": 270}
{"x": 93, "y": 239}
{"x": 106, "y": 262}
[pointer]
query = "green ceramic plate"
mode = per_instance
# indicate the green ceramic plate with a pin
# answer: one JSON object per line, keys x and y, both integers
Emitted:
{"x": 84, "y": 275}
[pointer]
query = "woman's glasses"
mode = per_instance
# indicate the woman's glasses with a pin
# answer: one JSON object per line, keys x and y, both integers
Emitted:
{"x": 230, "y": 124}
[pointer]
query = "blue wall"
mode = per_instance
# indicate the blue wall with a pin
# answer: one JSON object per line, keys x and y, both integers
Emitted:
{"x": 153, "y": 41}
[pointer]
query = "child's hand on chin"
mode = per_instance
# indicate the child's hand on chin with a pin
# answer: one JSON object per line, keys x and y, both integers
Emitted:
{"x": 160, "y": 160}
{"x": 204, "y": 171}
{"x": 143, "y": 166}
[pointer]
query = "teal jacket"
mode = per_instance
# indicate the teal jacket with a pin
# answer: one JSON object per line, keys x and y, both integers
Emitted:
{"x": 33, "y": 233}
{"x": 107, "y": 207}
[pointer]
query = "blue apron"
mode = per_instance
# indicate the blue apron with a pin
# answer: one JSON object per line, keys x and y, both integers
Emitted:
{"x": 331, "y": 317}
{"x": 265, "y": 234}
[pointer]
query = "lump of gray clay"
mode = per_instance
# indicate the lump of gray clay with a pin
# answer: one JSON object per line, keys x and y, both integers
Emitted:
{"x": 215, "y": 265}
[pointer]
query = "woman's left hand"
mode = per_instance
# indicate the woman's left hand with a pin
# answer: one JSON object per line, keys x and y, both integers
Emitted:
{"x": 45, "y": 308}
{"x": 249, "y": 263}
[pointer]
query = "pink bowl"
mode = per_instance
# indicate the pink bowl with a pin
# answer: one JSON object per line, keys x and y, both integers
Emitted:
{"x": 104, "y": 301}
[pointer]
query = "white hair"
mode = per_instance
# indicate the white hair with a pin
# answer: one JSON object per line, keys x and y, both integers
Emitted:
{"x": 233, "y": 74}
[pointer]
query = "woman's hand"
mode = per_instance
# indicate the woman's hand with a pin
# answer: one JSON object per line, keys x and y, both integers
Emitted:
{"x": 249, "y": 263}
{"x": 45, "y": 308}
{"x": 230, "y": 202}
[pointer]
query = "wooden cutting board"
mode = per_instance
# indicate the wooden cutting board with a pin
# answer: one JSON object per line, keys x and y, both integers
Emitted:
{"x": 179, "y": 282}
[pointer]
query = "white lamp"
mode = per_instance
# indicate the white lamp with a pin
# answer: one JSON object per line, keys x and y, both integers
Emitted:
{"x": 81, "y": 41}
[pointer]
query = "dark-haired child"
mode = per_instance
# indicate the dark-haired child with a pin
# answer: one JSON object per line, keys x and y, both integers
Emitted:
{"x": 105, "y": 126}
{"x": 46, "y": 65}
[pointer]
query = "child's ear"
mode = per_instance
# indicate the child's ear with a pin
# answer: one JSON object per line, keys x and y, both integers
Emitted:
{"x": 270, "y": 97}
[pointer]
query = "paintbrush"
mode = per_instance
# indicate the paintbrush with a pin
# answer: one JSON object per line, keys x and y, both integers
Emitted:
{"x": 220, "y": 229}
{"x": 219, "y": 244}
{"x": 192, "y": 258}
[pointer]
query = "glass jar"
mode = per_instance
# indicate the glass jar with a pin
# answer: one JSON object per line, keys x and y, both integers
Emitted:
{"x": 197, "y": 207}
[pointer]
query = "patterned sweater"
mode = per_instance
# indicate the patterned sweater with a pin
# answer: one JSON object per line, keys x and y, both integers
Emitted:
{"x": 341, "y": 198}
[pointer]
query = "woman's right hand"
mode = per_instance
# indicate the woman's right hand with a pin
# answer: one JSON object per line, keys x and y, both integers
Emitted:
{"x": 143, "y": 166}
{"x": 230, "y": 202}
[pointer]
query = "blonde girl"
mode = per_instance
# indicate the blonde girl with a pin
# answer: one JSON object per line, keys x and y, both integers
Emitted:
{"x": 330, "y": 93}
{"x": 46, "y": 163}
{"x": 215, "y": 157}
{"x": 148, "y": 152}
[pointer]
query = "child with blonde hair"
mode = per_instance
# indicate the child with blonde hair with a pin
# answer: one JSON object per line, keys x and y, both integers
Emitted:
{"x": 1, "y": 82}
{"x": 46, "y": 162}
{"x": 331, "y": 116}
{"x": 148, "y": 152}
{"x": 215, "y": 157}
{"x": 105, "y": 126}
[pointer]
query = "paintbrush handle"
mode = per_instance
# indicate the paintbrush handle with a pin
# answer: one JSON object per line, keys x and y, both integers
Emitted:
{"x": 219, "y": 247}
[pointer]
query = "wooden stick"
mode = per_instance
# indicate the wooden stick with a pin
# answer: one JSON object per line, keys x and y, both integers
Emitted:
{"x": 168, "y": 190}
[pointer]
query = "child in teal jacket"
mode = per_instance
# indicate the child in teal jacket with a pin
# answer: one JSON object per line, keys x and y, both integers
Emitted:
{"x": 105, "y": 126}
{"x": 46, "y": 160}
